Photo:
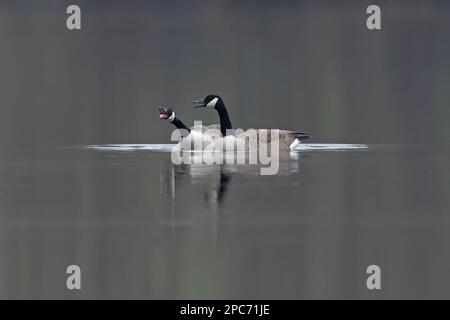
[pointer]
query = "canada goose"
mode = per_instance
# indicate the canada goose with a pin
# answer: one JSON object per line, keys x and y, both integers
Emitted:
{"x": 189, "y": 135}
{"x": 169, "y": 114}
{"x": 288, "y": 140}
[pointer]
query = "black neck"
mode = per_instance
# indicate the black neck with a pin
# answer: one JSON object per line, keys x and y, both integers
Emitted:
{"x": 225, "y": 122}
{"x": 180, "y": 125}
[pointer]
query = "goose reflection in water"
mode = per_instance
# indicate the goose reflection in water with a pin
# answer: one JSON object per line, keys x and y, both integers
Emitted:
{"x": 213, "y": 180}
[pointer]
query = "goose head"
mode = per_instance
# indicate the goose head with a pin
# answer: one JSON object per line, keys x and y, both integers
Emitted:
{"x": 166, "y": 113}
{"x": 211, "y": 100}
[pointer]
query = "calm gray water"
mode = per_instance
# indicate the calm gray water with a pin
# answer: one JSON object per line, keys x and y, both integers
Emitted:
{"x": 141, "y": 227}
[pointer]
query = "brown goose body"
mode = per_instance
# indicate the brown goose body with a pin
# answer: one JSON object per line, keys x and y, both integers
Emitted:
{"x": 254, "y": 138}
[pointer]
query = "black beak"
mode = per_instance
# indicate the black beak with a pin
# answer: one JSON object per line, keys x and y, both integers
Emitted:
{"x": 200, "y": 103}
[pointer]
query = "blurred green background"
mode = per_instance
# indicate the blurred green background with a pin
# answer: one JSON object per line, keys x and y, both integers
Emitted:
{"x": 304, "y": 65}
{"x": 140, "y": 227}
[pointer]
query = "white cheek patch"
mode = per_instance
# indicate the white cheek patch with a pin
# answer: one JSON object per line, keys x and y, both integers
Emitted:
{"x": 172, "y": 117}
{"x": 212, "y": 103}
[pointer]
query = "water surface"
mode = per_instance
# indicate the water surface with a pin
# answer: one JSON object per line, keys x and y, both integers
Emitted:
{"x": 141, "y": 227}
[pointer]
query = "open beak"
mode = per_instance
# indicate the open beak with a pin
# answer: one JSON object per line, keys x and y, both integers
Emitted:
{"x": 162, "y": 113}
{"x": 200, "y": 103}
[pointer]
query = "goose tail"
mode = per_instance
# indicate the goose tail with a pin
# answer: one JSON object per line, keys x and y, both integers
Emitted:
{"x": 302, "y": 136}
{"x": 299, "y": 137}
